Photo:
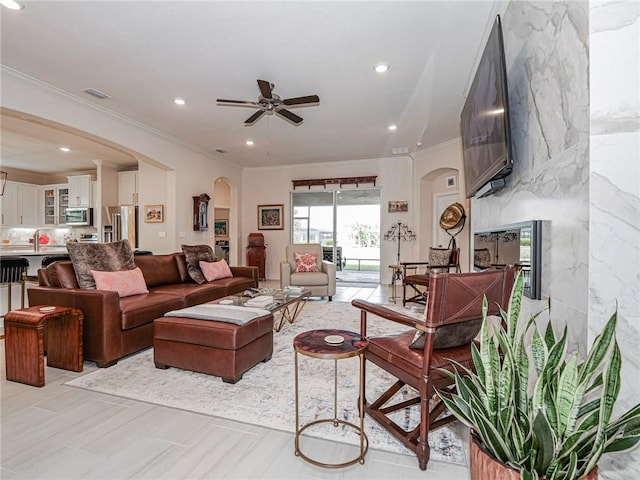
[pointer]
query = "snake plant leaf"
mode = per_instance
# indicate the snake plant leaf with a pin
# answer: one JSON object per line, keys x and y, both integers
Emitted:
{"x": 549, "y": 336}
{"x": 595, "y": 382}
{"x": 630, "y": 420}
{"x": 620, "y": 444}
{"x": 515, "y": 306}
{"x": 599, "y": 348}
{"x": 588, "y": 408}
{"x": 522, "y": 376}
{"x": 545, "y": 441}
{"x": 492, "y": 437}
{"x": 593, "y": 459}
{"x": 611, "y": 386}
{"x": 566, "y": 395}
{"x": 527, "y": 475}
{"x": 477, "y": 360}
{"x": 538, "y": 351}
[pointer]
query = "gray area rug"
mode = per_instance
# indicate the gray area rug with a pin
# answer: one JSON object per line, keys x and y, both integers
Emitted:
{"x": 265, "y": 396}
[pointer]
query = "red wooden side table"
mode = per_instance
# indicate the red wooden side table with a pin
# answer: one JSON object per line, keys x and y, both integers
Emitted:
{"x": 24, "y": 342}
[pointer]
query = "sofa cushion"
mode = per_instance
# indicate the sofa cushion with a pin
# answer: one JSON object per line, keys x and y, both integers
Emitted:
{"x": 141, "y": 309}
{"x": 106, "y": 257}
{"x": 159, "y": 269}
{"x": 62, "y": 275}
{"x": 309, "y": 279}
{"x": 126, "y": 282}
{"x": 193, "y": 294}
{"x": 215, "y": 270}
{"x": 193, "y": 255}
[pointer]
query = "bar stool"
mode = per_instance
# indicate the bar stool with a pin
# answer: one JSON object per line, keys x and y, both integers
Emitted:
{"x": 13, "y": 270}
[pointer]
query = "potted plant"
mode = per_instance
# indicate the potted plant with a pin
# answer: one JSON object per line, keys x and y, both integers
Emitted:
{"x": 535, "y": 409}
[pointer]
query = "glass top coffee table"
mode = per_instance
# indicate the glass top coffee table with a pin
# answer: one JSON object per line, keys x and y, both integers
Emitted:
{"x": 286, "y": 306}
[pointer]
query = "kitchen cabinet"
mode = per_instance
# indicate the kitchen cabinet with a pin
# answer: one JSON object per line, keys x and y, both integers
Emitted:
{"x": 80, "y": 191}
{"x": 128, "y": 187}
{"x": 20, "y": 205}
{"x": 9, "y": 204}
{"x": 56, "y": 200}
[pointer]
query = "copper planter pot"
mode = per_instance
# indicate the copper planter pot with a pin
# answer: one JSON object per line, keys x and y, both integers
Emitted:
{"x": 483, "y": 466}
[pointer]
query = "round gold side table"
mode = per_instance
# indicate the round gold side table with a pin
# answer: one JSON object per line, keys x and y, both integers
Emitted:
{"x": 315, "y": 344}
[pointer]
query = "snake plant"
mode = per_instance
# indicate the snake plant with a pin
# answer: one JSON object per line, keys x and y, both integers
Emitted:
{"x": 535, "y": 406}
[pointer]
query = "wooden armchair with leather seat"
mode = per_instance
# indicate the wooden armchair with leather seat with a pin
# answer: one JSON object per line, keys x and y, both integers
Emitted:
{"x": 416, "y": 286}
{"x": 452, "y": 320}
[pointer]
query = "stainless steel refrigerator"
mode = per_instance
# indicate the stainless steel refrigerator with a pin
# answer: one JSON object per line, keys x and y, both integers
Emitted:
{"x": 120, "y": 223}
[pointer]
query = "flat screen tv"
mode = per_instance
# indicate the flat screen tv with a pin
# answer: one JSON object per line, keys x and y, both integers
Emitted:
{"x": 484, "y": 122}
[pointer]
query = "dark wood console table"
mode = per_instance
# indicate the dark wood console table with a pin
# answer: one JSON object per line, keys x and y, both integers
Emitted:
{"x": 24, "y": 342}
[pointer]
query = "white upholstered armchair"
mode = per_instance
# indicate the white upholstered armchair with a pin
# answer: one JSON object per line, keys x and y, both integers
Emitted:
{"x": 302, "y": 269}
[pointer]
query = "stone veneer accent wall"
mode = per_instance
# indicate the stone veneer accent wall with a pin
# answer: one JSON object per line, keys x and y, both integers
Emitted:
{"x": 547, "y": 72}
{"x": 573, "y": 76}
{"x": 614, "y": 197}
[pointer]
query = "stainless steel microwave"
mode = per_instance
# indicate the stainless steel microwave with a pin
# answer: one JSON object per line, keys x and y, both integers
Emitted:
{"x": 79, "y": 216}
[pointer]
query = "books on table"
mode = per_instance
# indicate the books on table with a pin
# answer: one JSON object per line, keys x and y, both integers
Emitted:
{"x": 260, "y": 301}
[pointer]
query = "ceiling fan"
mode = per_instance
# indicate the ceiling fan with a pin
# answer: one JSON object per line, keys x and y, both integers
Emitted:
{"x": 270, "y": 103}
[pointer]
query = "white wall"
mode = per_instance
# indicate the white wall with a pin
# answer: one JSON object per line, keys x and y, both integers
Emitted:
{"x": 266, "y": 186}
{"x": 189, "y": 172}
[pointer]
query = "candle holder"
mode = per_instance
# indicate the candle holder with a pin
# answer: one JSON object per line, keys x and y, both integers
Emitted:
{"x": 400, "y": 232}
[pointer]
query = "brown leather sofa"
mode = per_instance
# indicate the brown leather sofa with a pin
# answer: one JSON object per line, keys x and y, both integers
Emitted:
{"x": 115, "y": 327}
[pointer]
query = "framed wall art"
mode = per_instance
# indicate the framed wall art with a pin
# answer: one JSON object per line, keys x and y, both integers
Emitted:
{"x": 154, "y": 213}
{"x": 270, "y": 217}
{"x": 398, "y": 206}
{"x": 221, "y": 228}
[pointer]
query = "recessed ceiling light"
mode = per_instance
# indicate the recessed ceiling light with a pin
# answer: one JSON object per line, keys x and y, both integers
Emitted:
{"x": 382, "y": 67}
{"x": 179, "y": 101}
{"x": 11, "y": 5}
{"x": 249, "y": 142}
{"x": 65, "y": 149}
{"x": 392, "y": 127}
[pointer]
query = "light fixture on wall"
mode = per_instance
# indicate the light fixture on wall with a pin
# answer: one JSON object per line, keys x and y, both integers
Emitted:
{"x": 3, "y": 182}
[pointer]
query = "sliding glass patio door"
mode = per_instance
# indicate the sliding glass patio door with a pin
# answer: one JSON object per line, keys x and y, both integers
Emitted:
{"x": 347, "y": 225}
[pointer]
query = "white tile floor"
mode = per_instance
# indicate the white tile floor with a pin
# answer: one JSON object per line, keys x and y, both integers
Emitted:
{"x": 60, "y": 432}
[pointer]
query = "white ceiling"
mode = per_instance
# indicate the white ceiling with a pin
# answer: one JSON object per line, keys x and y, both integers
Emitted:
{"x": 143, "y": 54}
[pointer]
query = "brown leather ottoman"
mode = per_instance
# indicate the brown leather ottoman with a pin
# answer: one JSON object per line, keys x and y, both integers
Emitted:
{"x": 217, "y": 348}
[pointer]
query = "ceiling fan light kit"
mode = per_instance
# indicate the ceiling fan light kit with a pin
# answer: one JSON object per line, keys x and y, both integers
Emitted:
{"x": 270, "y": 103}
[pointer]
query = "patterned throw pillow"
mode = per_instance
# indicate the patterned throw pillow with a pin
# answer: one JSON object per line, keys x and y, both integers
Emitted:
{"x": 215, "y": 270}
{"x": 193, "y": 254}
{"x": 439, "y": 257}
{"x": 306, "y": 262}
{"x": 126, "y": 283}
{"x": 105, "y": 257}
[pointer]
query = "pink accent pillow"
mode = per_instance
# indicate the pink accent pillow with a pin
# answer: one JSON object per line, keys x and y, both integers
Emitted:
{"x": 215, "y": 270}
{"x": 125, "y": 282}
{"x": 306, "y": 262}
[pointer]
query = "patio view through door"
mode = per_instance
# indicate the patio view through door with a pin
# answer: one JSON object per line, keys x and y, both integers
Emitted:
{"x": 347, "y": 225}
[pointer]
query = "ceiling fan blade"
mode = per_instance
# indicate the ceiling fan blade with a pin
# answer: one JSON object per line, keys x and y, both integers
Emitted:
{"x": 238, "y": 103}
{"x": 265, "y": 88}
{"x": 254, "y": 118}
{"x": 287, "y": 115}
{"x": 301, "y": 100}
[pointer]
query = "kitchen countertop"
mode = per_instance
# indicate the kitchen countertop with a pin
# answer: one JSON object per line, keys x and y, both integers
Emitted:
{"x": 28, "y": 251}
